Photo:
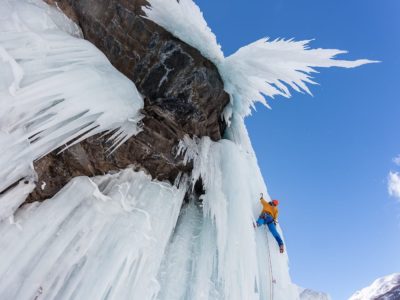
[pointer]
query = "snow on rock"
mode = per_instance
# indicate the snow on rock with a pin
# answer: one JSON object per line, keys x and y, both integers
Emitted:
{"x": 100, "y": 238}
{"x": 58, "y": 18}
{"x": 307, "y": 294}
{"x": 265, "y": 67}
{"x": 185, "y": 20}
{"x": 55, "y": 88}
{"x": 384, "y": 288}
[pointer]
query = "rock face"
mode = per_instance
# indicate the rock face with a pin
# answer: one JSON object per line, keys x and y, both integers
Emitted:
{"x": 393, "y": 294}
{"x": 308, "y": 294}
{"x": 183, "y": 94}
{"x": 384, "y": 288}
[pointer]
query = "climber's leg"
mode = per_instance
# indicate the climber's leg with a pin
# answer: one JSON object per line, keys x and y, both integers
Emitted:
{"x": 275, "y": 233}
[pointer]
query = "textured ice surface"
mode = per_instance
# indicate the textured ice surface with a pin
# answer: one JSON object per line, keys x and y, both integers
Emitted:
{"x": 230, "y": 171}
{"x": 13, "y": 198}
{"x": 124, "y": 236}
{"x": 265, "y": 67}
{"x": 246, "y": 262}
{"x": 100, "y": 238}
{"x": 54, "y": 88}
{"x": 185, "y": 20}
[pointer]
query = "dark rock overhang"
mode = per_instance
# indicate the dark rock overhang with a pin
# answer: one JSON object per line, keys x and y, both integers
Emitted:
{"x": 183, "y": 95}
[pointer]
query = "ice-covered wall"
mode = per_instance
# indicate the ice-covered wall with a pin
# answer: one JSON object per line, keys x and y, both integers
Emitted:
{"x": 229, "y": 168}
{"x": 99, "y": 238}
{"x": 183, "y": 94}
{"x": 55, "y": 88}
{"x": 247, "y": 263}
{"x": 124, "y": 236}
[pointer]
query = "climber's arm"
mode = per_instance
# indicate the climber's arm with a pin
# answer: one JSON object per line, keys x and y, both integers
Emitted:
{"x": 263, "y": 202}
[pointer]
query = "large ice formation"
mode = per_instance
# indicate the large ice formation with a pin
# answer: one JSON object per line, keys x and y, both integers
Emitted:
{"x": 263, "y": 68}
{"x": 124, "y": 235}
{"x": 55, "y": 88}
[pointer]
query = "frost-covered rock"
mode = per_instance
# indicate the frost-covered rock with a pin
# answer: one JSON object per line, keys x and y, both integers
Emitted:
{"x": 308, "y": 294}
{"x": 384, "y": 288}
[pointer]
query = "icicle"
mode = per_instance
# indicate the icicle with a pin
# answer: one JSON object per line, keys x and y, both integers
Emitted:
{"x": 57, "y": 89}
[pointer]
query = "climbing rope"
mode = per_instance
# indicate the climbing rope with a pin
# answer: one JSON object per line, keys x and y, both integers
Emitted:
{"x": 270, "y": 271}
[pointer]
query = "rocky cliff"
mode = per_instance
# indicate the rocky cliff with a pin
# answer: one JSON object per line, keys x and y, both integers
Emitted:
{"x": 183, "y": 95}
{"x": 384, "y": 288}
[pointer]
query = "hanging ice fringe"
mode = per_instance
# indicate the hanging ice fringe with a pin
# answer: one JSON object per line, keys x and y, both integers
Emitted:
{"x": 263, "y": 68}
{"x": 55, "y": 88}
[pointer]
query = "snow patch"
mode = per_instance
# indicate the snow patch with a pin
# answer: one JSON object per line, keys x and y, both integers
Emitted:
{"x": 307, "y": 294}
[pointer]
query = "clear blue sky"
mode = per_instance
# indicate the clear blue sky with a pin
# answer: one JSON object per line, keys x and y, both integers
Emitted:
{"x": 327, "y": 157}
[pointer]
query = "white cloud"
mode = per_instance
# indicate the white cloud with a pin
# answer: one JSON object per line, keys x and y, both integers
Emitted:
{"x": 396, "y": 160}
{"x": 394, "y": 184}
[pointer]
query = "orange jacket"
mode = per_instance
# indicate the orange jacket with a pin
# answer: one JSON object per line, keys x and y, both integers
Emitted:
{"x": 269, "y": 209}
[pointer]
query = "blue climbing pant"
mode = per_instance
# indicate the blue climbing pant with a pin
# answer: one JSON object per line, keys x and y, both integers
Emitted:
{"x": 266, "y": 219}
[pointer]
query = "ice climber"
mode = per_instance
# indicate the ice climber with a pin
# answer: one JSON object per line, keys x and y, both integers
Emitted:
{"x": 269, "y": 217}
